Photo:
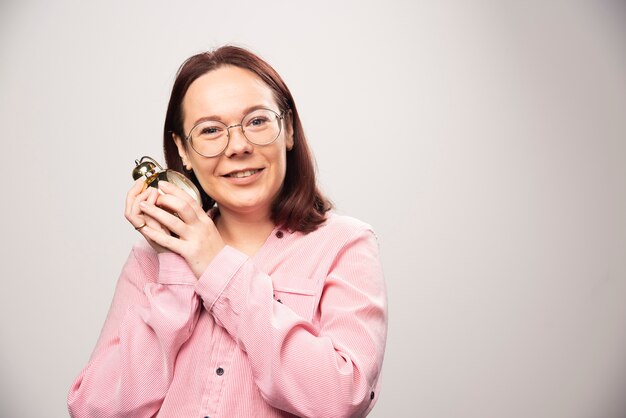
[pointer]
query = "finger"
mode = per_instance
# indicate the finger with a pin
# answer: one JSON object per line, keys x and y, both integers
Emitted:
{"x": 152, "y": 200}
{"x": 163, "y": 217}
{"x": 153, "y": 223}
{"x": 132, "y": 212}
{"x": 181, "y": 208}
{"x": 150, "y": 221}
{"x": 135, "y": 190}
{"x": 162, "y": 239}
{"x": 169, "y": 188}
{"x": 137, "y": 187}
{"x": 134, "y": 209}
{"x": 152, "y": 196}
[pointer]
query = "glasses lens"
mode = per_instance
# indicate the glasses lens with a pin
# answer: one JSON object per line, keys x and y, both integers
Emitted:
{"x": 209, "y": 138}
{"x": 261, "y": 127}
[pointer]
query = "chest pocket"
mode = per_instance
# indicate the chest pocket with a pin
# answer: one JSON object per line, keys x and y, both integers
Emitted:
{"x": 297, "y": 296}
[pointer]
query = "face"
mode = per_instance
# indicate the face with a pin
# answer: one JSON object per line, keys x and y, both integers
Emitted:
{"x": 245, "y": 178}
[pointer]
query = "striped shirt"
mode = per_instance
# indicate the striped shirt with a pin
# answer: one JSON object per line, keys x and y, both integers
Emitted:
{"x": 298, "y": 329}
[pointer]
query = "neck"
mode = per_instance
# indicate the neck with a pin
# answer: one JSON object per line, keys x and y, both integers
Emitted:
{"x": 247, "y": 233}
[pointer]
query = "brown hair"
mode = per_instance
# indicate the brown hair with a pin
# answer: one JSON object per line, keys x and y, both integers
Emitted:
{"x": 300, "y": 205}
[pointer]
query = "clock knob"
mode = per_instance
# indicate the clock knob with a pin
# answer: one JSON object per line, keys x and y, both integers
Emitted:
{"x": 146, "y": 167}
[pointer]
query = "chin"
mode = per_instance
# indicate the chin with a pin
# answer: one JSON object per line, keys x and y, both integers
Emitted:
{"x": 246, "y": 205}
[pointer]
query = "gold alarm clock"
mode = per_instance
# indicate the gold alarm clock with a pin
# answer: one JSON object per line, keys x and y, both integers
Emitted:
{"x": 147, "y": 167}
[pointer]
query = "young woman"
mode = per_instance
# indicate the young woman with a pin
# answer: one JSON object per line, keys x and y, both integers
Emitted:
{"x": 261, "y": 303}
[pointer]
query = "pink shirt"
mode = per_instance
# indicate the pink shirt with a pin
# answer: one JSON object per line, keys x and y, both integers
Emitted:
{"x": 299, "y": 328}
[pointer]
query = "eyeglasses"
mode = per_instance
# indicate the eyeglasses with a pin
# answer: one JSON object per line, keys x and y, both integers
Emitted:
{"x": 260, "y": 127}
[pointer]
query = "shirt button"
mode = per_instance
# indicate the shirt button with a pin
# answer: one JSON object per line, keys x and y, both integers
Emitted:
{"x": 279, "y": 234}
{"x": 219, "y": 371}
{"x": 372, "y": 395}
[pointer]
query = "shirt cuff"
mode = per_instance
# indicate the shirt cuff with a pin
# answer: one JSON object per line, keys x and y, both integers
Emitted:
{"x": 218, "y": 274}
{"x": 173, "y": 269}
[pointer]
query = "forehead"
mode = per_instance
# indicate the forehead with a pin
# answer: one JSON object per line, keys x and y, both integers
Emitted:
{"x": 226, "y": 92}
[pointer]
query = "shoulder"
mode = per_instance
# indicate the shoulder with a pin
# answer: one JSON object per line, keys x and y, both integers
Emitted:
{"x": 344, "y": 223}
{"x": 341, "y": 229}
{"x": 145, "y": 256}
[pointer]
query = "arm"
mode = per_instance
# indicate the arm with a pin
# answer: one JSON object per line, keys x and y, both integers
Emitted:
{"x": 326, "y": 370}
{"x": 153, "y": 313}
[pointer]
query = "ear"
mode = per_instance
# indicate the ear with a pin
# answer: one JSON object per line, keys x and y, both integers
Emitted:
{"x": 182, "y": 151}
{"x": 288, "y": 121}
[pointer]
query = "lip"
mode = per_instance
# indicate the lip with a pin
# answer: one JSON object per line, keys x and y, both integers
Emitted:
{"x": 243, "y": 180}
{"x": 242, "y": 169}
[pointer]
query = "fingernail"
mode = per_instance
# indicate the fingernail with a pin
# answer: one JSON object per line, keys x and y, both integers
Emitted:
{"x": 143, "y": 205}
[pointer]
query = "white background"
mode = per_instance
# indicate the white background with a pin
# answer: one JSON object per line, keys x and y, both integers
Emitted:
{"x": 484, "y": 141}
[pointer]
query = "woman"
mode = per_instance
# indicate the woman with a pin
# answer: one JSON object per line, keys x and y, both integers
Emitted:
{"x": 262, "y": 303}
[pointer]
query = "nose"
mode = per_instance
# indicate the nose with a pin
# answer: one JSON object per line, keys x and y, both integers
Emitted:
{"x": 237, "y": 142}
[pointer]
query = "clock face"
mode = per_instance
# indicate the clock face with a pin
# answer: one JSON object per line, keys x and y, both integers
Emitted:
{"x": 185, "y": 184}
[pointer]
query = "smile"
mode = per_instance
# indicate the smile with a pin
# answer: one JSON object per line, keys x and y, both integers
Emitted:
{"x": 242, "y": 174}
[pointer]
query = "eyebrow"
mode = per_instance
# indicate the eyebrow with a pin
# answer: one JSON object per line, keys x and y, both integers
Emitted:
{"x": 218, "y": 118}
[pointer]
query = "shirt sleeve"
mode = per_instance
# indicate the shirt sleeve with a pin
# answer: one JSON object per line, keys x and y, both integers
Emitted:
{"x": 330, "y": 369}
{"x": 153, "y": 313}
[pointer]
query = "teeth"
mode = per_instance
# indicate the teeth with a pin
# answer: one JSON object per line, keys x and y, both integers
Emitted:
{"x": 241, "y": 174}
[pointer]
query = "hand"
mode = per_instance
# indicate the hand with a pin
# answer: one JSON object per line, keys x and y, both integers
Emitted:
{"x": 136, "y": 217}
{"x": 198, "y": 240}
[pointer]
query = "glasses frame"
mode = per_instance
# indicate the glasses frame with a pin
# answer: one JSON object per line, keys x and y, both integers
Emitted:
{"x": 280, "y": 117}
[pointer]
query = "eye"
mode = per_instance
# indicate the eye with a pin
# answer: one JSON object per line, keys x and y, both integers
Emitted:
{"x": 208, "y": 130}
{"x": 258, "y": 121}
